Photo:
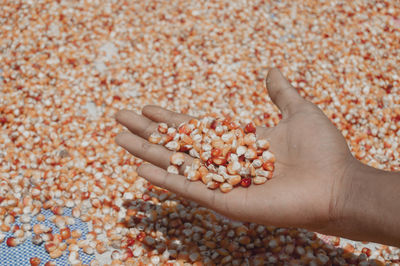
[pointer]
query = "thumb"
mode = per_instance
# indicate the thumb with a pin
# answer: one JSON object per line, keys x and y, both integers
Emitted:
{"x": 282, "y": 93}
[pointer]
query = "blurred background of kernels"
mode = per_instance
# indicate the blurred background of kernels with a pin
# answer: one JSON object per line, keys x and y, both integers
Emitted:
{"x": 68, "y": 66}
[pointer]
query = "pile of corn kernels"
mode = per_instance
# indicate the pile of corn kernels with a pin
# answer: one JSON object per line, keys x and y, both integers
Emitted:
{"x": 224, "y": 154}
{"x": 67, "y": 66}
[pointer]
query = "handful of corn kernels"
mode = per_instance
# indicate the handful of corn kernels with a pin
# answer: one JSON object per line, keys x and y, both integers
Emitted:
{"x": 225, "y": 155}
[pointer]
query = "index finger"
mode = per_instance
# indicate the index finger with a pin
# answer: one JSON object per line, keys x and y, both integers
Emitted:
{"x": 159, "y": 114}
{"x": 144, "y": 125}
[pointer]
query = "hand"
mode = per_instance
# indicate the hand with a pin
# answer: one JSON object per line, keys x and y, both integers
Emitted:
{"x": 312, "y": 170}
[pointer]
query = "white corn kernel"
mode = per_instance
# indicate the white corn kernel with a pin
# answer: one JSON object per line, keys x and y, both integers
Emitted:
{"x": 155, "y": 138}
{"x": 177, "y": 159}
{"x": 261, "y": 172}
{"x": 225, "y": 187}
{"x": 205, "y": 155}
{"x": 228, "y": 137}
{"x": 257, "y": 163}
{"x": 162, "y": 128}
{"x": 194, "y": 153}
{"x": 241, "y": 150}
{"x": 172, "y": 145}
{"x": 218, "y": 178}
{"x": 249, "y": 139}
{"x": 258, "y": 180}
{"x": 173, "y": 169}
{"x": 262, "y": 144}
{"x": 250, "y": 154}
{"x": 233, "y": 167}
{"x": 268, "y": 156}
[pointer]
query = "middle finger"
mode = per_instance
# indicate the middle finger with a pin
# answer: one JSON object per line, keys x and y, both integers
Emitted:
{"x": 152, "y": 153}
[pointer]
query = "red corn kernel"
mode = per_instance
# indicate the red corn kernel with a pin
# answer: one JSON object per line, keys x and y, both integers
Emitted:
{"x": 185, "y": 148}
{"x": 213, "y": 124}
{"x": 366, "y": 251}
{"x": 141, "y": 236}
{"x": 130, "y": 242}
{"x": 145, "y": 197}
{"x": 3, "y": 120}
{"x": 85, "y": 195}
{"x": 226, "y": 121}
{"x": 215, "y": 152}
{"x": 246, "y": 182}
{"x": 250, "y": 128}
{"x": 126, "y": 254}
{"x": 35, "y": 261}
{"x": 65, "y": 233}
{"x": 11, "y": 242}
{"x": 209, "y": 162}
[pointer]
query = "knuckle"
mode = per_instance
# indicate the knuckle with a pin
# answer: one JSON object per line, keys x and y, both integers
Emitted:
{"x": 145, "y": 146}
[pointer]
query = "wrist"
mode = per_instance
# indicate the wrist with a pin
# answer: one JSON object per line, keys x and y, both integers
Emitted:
{"x": 353, "y": 188}
{"x": 367, "y": 205}
{"x": 342, "y": 198}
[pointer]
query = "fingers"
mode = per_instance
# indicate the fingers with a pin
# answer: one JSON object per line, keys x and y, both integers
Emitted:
{"x": 137, "y": 124}
{"x": 177, "y": 184}
{"x": 144, "y": 125}
{"x": 282, "y": 93}
{"x": 159, "y": 114}
{"x": 153, "y": 153}
{"x": 229, "y": 204}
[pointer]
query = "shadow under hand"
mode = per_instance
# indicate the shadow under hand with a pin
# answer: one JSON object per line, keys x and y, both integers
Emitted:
{"x": 173, "y": 228}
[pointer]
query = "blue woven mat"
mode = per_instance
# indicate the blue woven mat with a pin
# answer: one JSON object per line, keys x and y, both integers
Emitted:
{"x": 21, "y": 254}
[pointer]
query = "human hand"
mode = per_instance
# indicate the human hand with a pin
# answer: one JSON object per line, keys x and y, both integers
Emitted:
{"x": 312, "y": 169}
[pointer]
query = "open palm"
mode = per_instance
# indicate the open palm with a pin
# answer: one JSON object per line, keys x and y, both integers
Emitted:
{"x": 311, "y": 169}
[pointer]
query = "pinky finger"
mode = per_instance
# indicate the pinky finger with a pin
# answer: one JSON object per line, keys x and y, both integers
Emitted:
{"x": 177, "y": 184}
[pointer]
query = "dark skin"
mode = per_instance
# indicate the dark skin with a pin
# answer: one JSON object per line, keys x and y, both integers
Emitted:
{"x": 317, "y": 183}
